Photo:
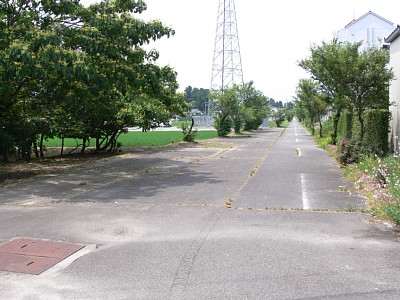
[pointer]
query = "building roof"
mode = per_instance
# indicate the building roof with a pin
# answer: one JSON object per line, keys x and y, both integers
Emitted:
{"x": 369, "y": 13}
{"x": 394, "y": 35}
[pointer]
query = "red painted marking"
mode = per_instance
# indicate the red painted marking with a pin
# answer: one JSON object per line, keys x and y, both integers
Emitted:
{"x": 40, "y": 248}
{"x": 34, "y": 256}
{"x": 26, "y": 264}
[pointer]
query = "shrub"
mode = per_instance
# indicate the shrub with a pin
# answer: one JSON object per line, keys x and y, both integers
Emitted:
{"x": 237, "y": 125}
{"x": 345, "y": 125}
{"x": 376, "y": 131}
{"x": 324, "y": 142}
{"x": 223, "y": 126}
{"x": 349, "y": 152}
{"x": 189, "y": 134}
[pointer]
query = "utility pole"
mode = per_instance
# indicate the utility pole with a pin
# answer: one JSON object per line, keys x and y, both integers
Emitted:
{"x": 227, "y": 62}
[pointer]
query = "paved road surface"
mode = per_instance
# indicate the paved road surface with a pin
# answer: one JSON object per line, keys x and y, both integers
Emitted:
{"x": 158, "y": 226}
{"x": 298, "y": 175}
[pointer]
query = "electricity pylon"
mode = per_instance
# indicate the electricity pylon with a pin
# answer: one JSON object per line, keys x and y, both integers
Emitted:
{"x": 227, "y": 62}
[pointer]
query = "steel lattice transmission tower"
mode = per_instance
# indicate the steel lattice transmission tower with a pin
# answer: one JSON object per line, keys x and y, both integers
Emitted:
{"x": 227, "y": 62}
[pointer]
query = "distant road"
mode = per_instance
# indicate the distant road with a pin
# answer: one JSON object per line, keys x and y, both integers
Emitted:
{"x": 296, "y": 174}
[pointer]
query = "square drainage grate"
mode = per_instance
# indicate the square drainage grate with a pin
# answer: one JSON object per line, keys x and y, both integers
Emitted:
{"x": 34, "y": 256}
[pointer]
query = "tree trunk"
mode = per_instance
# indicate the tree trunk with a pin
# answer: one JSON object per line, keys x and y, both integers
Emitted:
{"x": 83, "y": 145}
{"x": 35, "y": 148}
{"x": 41, "y": 145}
{"x": 336, "y": 119}
{"x": 62, "y": 145}
{"x": 360, "y": 119}
{"x": 191, "y": 126}
{"x": 312, "y": 126}
{"x": 320, "y": 128}
{"x": 26, "y": 149}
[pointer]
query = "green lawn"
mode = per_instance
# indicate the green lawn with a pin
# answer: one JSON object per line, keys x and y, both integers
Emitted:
{"x": 180, "y": 123}
{"x": 273, "y": 124}
{"x": 140, "y": 139}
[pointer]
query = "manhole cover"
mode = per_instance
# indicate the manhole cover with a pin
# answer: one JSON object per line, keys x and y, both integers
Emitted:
{"x": 34, "y": 256}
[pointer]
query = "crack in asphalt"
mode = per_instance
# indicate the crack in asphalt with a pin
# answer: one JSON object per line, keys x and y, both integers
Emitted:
{"x": 255, "y": 169}
{"x": 184, "y": 270}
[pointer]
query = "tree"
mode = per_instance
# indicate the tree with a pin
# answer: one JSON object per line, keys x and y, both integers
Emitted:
{"x": 188, "y": 93}
{"x": 226, "y": 107}
{"x": 71, "y": 71}
{"x": 289, "y": 113}
{"x": 350, "y": 78}
{"x": 197, "y": 97}
{"x": 370, "y": 88}
{"x": 326, "y": 65}
{"x": 313, "y": 101}
{"x": 239, "y": 106}
{"x": 278, "y": 116}
{"x": 31, "y": 57}
{"x": 255, "y": 104}
{"x": 289, "y": 105}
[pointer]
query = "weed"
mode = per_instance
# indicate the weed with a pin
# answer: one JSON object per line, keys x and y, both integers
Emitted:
{"x": 378, "y": 179}
{"x": 189, "y": 134}
{"x": 228, "y": 203}
{"x": 350, "y": 208}
{"x": 393, "y": 212}
{"x": 349, "y": 152}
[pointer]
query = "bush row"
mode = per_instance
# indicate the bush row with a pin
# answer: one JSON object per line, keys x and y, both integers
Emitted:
{"x": 375, "y": 140}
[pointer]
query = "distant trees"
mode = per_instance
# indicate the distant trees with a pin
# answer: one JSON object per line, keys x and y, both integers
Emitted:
{"x": 197, "y": 97}
{"x": 240, "y": 107}
{"x": 71, "y": 71}
{"x": 313, "y": 101}
{"x": 276, "y": 104}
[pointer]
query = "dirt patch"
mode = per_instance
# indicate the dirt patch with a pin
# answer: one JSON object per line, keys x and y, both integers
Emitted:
{"x": 14, "y": 171}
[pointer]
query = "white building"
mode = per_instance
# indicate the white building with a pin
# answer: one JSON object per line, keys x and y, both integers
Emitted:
{"x": 370, "y": 28}
{"x": 394, "y": 90}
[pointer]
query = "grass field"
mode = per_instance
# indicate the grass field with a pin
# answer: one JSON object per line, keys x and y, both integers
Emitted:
{"x": 139, "y": 139}
{"x": 180, "y": 123}
{"x": 273, "y": 124}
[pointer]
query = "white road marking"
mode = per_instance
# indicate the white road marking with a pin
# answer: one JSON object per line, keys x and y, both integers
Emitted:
{"x": 304, "y": 196}
{"x": 297, "y": 140}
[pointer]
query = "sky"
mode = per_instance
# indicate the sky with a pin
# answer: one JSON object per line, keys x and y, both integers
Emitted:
{"x": 273, "y": 35}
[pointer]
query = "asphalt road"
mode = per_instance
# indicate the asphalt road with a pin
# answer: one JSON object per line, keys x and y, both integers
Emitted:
{"x": 158, "y": 226}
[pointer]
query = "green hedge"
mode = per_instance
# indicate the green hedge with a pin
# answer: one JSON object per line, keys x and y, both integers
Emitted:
{"x": 376, "y": 123}
{"x": 376, "y": 131}
{"x": 345, "y": 125}
{"x": 376, "y": 127}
